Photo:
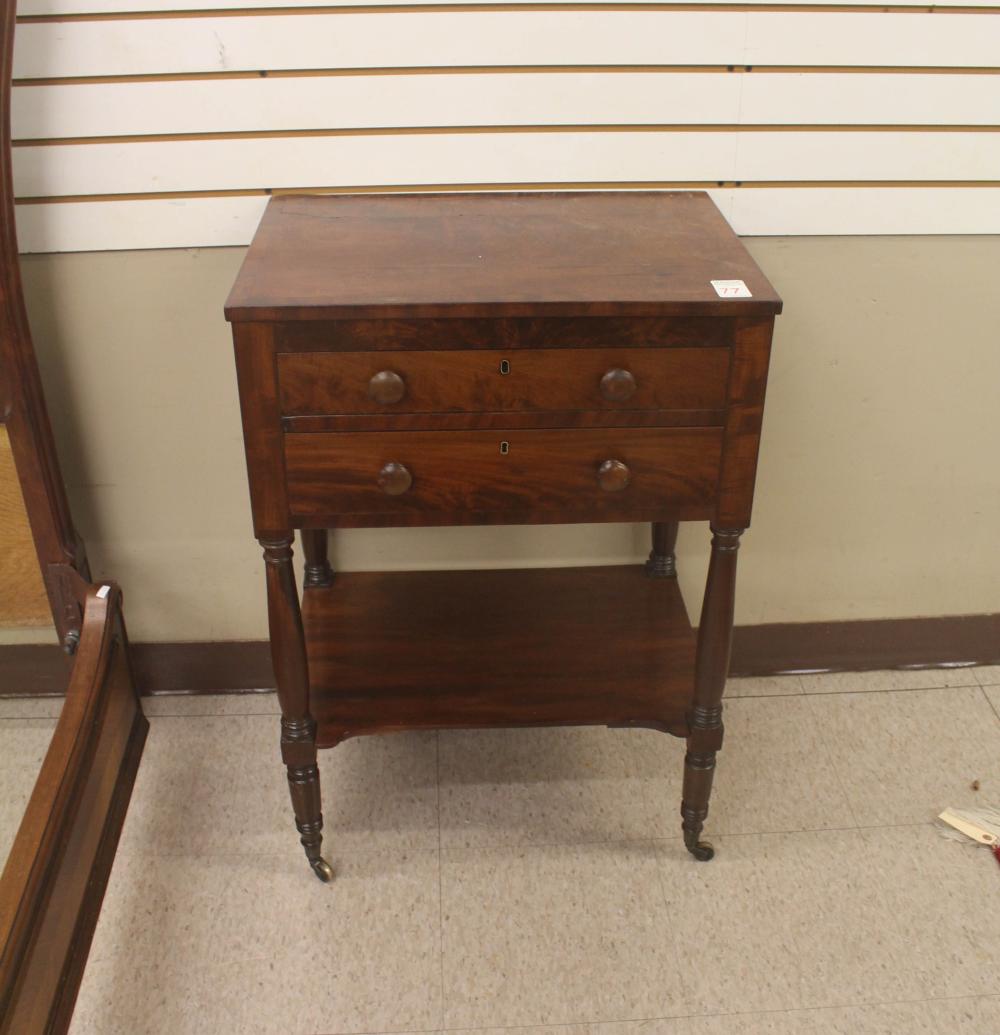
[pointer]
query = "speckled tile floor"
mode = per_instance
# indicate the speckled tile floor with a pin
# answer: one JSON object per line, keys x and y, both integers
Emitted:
{"x": 495, "y": 881}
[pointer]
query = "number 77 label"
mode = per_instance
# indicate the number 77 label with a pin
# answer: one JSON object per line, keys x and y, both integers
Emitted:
{"x": 731, "y": 289}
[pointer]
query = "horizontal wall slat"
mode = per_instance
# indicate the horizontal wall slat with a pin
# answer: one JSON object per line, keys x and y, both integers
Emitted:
{"x": 44, "y": 50}
{"x": 210, "y": 222}
{"x": 241, "y": 105}
{"x": 122, "y": 168}
{"x": 372, "y": 41}
{"x": 35, "y": 8}
{"x": 366, "y": 101}
{"x": 867, "y": 156}
{"x": 856, "y": 98}
{"x": 864, "y": 210}
{"x": 236, "y": 164}
{"x": 341, "y": 161}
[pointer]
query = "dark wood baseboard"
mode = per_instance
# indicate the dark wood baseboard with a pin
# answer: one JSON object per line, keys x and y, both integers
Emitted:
{"x": 220, "y": 666}
{"x": 212, "y": 667}
{"x": 241, "y": 666}
{"x": 34, "y": 669}
{"x": 948, "y": 641}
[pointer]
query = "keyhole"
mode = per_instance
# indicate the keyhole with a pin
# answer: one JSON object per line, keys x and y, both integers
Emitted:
{"x": 505, "y": 366}
{"x": 504, "y": 448}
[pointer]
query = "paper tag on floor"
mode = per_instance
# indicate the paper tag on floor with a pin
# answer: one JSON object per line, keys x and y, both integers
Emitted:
{"x": 731, "y": 289}
{"x": 970, "y": 824}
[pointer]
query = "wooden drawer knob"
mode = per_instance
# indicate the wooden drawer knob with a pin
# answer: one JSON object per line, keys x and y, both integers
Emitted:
{"x": 618, "y": 385}
{"x": 613, "y": 476}
{"x": 394, "y": 479}
{"x": 386, "y": 387}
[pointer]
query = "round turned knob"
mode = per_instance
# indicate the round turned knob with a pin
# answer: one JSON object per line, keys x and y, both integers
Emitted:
{"x": 394, "y": 479}
{"x": 618, "y": 385}
{"x": 386, "y": 387}
{"x": 613, "y": 476}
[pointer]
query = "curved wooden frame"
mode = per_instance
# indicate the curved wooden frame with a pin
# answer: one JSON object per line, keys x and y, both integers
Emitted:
{"x": 58, "y": 867}
{"x": 61, "y": 554}
{"x": 53, "y": 884}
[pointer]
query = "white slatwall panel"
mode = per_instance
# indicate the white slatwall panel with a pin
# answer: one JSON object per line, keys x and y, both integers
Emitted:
{"x": 874, "y": 210}
{"x": 210, "y": 222}
{"x": 45, "y": 8}
{"x": 503, "y": 99}
{"x": 508, "y": 158}
{"x": 864, "y": 99}
{"x": 148, "y": 46}
{"x": 376, "y": 160}
{"x": 554, "y": 79}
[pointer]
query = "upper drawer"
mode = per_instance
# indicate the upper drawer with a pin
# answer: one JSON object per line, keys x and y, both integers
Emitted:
{"x": 478, "y": 381}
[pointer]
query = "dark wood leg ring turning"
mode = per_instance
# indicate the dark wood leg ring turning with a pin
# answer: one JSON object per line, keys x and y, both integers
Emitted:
{"x": 699, "y": 768}
{"x": 314, "y": 546}
{"x": 715, "y": 634}
{"x": 662, "y": 563}
{"x": 298, "y": 740}
{"x": 298, "y": 728}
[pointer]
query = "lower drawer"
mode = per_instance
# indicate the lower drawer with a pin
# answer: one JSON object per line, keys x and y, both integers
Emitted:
{"x": 447, "y": 477}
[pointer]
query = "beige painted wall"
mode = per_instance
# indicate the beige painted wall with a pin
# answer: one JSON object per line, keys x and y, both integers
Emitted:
{"x": 879, "y": 486}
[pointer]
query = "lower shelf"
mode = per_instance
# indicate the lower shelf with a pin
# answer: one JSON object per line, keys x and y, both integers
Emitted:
{"x": 533, "y": 647}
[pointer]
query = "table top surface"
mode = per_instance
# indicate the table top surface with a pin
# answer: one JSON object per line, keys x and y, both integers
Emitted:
{"x": 588, "y": 253}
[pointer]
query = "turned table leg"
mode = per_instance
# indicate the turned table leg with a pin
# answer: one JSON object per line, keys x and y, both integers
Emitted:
{"x": 298, "y": 727}
{"x": 662, "y": 563}
{"x": 314, "y": 546}
{"x": 715, "y": 635}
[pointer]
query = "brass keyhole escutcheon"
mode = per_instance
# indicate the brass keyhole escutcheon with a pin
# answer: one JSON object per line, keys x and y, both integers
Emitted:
{"x": 505, "y": 366}
{"x": 504, "y": 448}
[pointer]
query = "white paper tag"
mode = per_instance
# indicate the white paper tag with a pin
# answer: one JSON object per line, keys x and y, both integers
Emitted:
{"x": 962, "y": 823}
{"x": 103, "y": 592}
{"x": 731, "y": 289}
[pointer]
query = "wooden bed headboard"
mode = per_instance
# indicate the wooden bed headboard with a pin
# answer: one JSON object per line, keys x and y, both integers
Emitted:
{"x": 61, "y": 555}
{"x": 55, "y": 875}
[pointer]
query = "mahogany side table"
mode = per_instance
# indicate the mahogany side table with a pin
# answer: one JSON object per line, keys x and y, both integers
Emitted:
{"x": 507, "y": 358}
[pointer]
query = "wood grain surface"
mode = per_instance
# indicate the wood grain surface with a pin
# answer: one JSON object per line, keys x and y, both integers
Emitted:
{"x": 459, "y": 477}
{"x": 23, "y": 601}
{"x": 383, "y": 342}
{"x": 507, "y": 420}
{"x": 539, "y": 332}
{"x": 539, "y": 380}
{"x": 603, "y": 254}
{"x": 59, "y": 552}
{"x": 531, "y": 647}
{"x": 58, "y": 867}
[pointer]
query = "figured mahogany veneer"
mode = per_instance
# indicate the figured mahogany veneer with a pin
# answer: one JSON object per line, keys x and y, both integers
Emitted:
{"x": 461, "y": 477}
{"x": 476, "y": 381}
{"x": 458, "y": 333}
{"x": 499, "y": 420}
{"x": 531, "y": 647}
{"x": 579, "y": 253}
{"x": 498, "y": 358}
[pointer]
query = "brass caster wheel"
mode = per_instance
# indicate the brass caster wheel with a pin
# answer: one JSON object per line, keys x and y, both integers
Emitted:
{"x": 702, "y": 851}
{"x": 322, "y": 869}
